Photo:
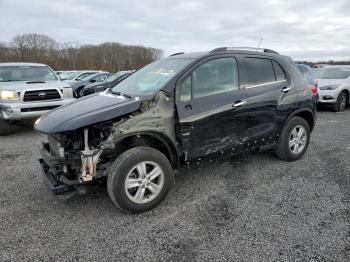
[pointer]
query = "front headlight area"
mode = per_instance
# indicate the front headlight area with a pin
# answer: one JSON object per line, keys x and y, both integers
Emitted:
{"x": 67, "y": 92}
{"x": 9, "y": 95}
{"x": 329, "y": 87}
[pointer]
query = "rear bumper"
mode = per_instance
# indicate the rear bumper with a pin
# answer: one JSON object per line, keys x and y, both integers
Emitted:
{"x": 28, "y": 110}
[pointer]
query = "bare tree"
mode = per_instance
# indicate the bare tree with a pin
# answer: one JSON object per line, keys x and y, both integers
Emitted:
{"x": 108, "y": 56}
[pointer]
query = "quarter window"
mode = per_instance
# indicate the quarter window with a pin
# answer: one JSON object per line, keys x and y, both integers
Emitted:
{"x": 213, "y": 77}
{"x": 259, "y": 71}
{"x": 280, "y": 74}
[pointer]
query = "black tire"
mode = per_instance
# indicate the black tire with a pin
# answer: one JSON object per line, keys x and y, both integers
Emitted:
{"x": 5, "y": 128}
{"x": 283, "y": 150}
{"x": 120, "y": 169}
{"x": 80, "y": 92}
{"x": 342, "y": 102}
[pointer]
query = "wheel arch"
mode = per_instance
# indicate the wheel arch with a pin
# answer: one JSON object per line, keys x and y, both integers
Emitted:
{"x": 347, "y": 92}
{"x": 304, "y": 113}
{"x": 152, "y": 139}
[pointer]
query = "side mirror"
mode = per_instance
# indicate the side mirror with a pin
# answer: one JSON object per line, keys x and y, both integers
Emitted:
{"x": 93, "y": 80}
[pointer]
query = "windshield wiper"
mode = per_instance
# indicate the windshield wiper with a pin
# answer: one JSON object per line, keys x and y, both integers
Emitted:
{"x": 120, "y": 94}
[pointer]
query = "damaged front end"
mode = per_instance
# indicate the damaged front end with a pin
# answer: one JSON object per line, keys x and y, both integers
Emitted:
{"x": 75, "y": 159}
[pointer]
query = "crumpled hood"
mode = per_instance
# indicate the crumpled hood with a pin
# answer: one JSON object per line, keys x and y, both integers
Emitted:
{"x": 86, "y": 111}
{"x": 27, "y": 85}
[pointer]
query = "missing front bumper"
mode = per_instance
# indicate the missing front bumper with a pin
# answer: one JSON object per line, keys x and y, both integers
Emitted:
{"x": 52, "y": 182}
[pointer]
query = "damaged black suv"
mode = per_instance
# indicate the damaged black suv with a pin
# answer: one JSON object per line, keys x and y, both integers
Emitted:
{"x": 185, "y": 108}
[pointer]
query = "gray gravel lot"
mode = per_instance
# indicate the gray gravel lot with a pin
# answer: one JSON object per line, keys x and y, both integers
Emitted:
{"x": 251, "y": 208}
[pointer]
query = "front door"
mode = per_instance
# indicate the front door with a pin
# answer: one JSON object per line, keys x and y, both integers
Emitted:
{"x": 211, "y": 108}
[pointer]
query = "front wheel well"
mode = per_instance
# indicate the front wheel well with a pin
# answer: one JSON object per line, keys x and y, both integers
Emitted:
{"x": 150, "y": 140}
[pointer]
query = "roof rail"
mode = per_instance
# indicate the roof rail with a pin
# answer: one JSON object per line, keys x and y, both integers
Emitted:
{"x": 180, "y": 53}
{"x": 264, "y": 50}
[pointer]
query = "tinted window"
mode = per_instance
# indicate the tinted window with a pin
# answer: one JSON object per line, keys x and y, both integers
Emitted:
{"x": 280, "y": 75}
{"x": 100, "y": 78}
{"x": 215, "y": 76}
{"x": 259, "y": 71}
{"x": 185, "y": 89}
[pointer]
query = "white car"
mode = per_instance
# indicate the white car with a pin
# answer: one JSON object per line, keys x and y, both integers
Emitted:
{"x": 334, "y": 86}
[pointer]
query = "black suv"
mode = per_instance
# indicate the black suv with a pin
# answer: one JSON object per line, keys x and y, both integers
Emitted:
{"x": 185, "y": 108}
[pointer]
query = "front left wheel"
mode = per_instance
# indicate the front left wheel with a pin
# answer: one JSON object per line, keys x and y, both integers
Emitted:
{"x": 139, "y": 179}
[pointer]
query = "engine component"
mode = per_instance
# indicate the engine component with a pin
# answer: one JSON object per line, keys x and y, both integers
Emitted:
{"x": 89, "y": 159}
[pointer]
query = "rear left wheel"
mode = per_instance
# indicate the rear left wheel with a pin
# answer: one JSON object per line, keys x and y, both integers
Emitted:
{"x": 294, "y": 139}
{"x": 139, "y": 179}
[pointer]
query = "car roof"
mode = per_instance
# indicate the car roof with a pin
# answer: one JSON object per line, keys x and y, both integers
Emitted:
{"x": 21, "y": 64}
{"x": 196, "y": 55}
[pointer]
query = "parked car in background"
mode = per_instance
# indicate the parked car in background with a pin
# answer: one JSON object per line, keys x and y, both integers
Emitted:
{"x": 310, "y": 77}
{"x": 334, "y": 86}
{"x": 177, "y": 111}
{"x": 27, "y": 91}
{"x": 77, "y": 75}
{"x": 78, "y": 86}
{"x": 107, "y": 83}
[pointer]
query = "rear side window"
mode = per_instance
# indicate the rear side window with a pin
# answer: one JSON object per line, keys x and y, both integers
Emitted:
{"x": 259, "y": 71}
{"x": 213, "y": 77}
{"x": 280, "y": 74}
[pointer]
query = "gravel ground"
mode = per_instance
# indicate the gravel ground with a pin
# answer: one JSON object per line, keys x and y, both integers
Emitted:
{"x": 251, "y": 208}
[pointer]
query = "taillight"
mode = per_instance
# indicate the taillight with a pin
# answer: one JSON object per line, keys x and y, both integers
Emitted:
{"x": 313, "y": 89}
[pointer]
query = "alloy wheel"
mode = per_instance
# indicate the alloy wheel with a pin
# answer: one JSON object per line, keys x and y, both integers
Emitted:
{"x": 297, "y": 139}
{"x": 144, "y": 182}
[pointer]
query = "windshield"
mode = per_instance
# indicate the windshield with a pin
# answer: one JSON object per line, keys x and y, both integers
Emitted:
{"x": 152, "y": 77}
{"x": 114, "y": 77}
{"x": 332, "y": 73}
{"x": 305, "y": 71}
{"x": 70, "y": 76}
{"x": 26, "y": 73}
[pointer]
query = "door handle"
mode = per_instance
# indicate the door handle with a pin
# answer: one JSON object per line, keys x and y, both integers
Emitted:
{"x": 286, "y": 89}
{"x": 239, "y": 103}
{"x": 188, "y": 107}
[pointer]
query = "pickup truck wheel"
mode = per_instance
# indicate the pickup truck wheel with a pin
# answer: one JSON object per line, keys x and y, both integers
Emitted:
{"x": 139, "y": 179}
{"x": 341, "y": 103}
{"x": 5, "y": 128}
{"x": 294, "y": 140}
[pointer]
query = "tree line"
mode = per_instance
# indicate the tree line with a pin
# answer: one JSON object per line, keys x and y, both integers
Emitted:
{"x": 109, "y": 56}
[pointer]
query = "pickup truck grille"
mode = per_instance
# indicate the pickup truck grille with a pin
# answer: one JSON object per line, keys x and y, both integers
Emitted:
{"x": 41, "y": 95}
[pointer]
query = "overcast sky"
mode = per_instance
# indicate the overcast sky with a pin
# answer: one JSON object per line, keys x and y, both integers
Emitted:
{"x": 303, "y": 29}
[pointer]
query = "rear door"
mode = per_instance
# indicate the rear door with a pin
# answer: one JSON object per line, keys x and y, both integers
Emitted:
{"x": 267, "y": 85}
{"x": 211, "y": 108}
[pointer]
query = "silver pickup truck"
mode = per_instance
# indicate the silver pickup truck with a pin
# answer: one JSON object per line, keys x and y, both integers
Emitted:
{"x": 27, "y": 91}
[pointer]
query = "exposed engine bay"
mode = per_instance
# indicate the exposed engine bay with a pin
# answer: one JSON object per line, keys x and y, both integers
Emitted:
{"x": 78, "y": 157}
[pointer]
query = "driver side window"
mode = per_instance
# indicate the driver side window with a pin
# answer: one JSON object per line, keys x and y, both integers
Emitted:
{"x": 213, "y": 77}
